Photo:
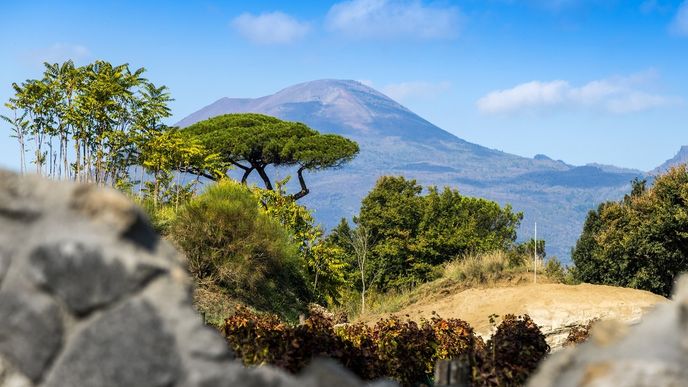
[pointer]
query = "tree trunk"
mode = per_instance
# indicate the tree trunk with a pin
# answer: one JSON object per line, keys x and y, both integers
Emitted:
{"x": 264, "y": 176}
{"x": 315, "y": 283}
{"x": 22, "y": 155}
{"x": 304, "y": 190}
{"x": 363, "y": 297}
{"x": 141, "y": 183}
{"x": 77, "y": 164}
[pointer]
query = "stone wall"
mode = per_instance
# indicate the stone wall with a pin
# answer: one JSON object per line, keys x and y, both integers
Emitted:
{"x": 90, "y": 296}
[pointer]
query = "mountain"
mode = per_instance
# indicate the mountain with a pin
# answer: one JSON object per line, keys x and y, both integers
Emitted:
{"x": 395, "y": 141}
{"x": 680, "y": 158}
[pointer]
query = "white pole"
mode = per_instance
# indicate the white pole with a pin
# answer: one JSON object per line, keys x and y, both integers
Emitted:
{"x": 535, "y": 256}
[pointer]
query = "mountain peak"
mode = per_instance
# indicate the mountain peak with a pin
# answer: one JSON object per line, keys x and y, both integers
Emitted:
{"x": 683, "y": 152}
{"x": 680, "y": 158}
{"x": 333, "y": 105}
{"x": 359, "y": 101}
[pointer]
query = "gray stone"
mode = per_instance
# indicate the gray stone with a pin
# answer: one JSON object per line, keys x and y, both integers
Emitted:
{"x": 93, "y": 297}
{"x": 4, "y": 263}
{"x": 17, "y": 201}
{"x": 123, "y": 347}
{"x": 328, "y": 372}
{"x": 82, "y": 277}
{"x": 113, "y": 210}
{"x": 30, "y": 331}
{"x": 205, "y": 355}
{"x": 11, "y": 377}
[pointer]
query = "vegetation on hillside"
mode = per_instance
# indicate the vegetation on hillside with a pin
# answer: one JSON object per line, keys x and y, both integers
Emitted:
{"x": 640, "y": 241}
{"x": 490, "y": 269}
{"x": 403, "y": 350}
{"x": 231, "y": 244}
{"x": 401, "y": 237}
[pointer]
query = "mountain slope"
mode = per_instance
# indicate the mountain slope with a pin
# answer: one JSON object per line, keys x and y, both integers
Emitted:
{"x": 680, "y": 158}
{"x": 396, "y": 141}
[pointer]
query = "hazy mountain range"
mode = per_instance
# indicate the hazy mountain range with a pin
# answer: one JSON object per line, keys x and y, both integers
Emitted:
{"x": 395, "y": 141}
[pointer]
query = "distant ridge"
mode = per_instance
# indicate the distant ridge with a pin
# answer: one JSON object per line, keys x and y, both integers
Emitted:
{"x": 396, "y": 141}
{"x": 680, "y": 158}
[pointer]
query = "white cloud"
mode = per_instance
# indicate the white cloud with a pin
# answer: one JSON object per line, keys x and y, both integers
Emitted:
{"x": 680, "y": 23}
{"x": 58, "y": 52}
{"x": 614, "y": 95}
{"x": 418, "y": 89}
{"x": 388, "y": 19}
{"x": 270, "y": 28}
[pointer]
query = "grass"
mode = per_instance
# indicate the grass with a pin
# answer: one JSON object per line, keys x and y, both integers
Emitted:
{"x": 489, "y": 268}
{"x": 470, "y": 271}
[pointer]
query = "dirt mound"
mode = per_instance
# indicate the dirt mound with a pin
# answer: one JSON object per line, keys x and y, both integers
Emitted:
{"x": 555, "y": 307}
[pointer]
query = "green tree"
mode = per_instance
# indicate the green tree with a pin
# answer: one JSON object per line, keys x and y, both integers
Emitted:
{"x": 414, "y": 233}
{"x": 99, "y": 110}
{"x": 360, "y": 243}
{"x": 454, "y": 225}
{"x": 326, "y": 264}
{"x": 19, "y": 126}
{"x": 391, "y": 212}
{"x": 251, "y": 142}
{"x": 640, "y": 241}
{"x": 163, "y": 152}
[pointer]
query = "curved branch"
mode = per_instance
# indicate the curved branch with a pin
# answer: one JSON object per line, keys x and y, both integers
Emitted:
{"x": 239, "y": 165}
{"x": 198, "y": 172}
{"x": 247, "y": 172}
{"x": 304, "y": 190}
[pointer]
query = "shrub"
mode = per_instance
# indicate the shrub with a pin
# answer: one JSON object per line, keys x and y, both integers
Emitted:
{"x": 555, "y": 271}
{"x": 579, "y": 334}
{"x": 406, "y": 349}
{"x": 454, "y": 338}
{"x": 229, "y": 243}
{"x": 478, "y": 268}
{"x": 403, "y": 350}
{"x": 512, "y": 353}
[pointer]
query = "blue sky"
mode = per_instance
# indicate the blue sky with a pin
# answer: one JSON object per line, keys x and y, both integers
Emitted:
{"x": 579, "y": 80}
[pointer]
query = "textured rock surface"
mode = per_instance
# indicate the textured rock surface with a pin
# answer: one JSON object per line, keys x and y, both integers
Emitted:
{"x": 652, "y": 353}
{"x": 89, "y": 296}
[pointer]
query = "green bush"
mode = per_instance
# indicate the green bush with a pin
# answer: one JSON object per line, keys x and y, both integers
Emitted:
{"x": 231, "y": 244}
{"x": 555, "y": 271}
{"x": 161, "y": 216}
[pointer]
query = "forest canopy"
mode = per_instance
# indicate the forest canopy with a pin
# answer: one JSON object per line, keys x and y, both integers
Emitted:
{"x": 640, "y": 241}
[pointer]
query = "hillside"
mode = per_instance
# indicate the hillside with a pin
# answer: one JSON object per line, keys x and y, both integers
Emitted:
{"x": 555, "y": 307}
{"x": 396, "y": 141}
